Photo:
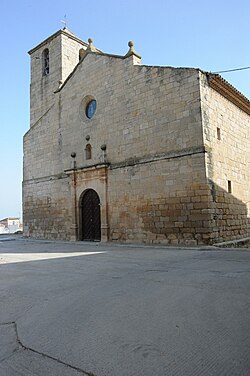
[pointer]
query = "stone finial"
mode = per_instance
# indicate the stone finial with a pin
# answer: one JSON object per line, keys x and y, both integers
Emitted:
{"x": 131, "y": 50}
{"x": 60, "y": 82}
{"x": 104, "y": 147}
{"x": 91, "y": 47}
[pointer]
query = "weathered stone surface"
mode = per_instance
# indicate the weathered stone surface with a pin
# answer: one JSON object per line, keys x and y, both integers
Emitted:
{"x": 163, "y": 175}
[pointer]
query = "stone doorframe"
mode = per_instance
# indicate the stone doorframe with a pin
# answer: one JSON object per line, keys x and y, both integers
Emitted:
{"x": 84, "y": 178}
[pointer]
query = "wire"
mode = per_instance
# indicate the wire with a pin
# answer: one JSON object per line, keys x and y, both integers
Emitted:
{"x": 232, "y": 70}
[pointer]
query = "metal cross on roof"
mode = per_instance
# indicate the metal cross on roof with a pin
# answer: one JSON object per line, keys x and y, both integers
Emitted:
{"x": 64, "y": 21}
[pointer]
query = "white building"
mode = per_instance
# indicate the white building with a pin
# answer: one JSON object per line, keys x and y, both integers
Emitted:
{"x": 10, "y": 225}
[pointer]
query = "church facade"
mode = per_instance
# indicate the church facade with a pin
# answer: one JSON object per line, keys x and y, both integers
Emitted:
{"x": 120, "y": 151}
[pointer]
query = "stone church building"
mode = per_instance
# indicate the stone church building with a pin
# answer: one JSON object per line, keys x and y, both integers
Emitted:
{"x": 120, "y": 151}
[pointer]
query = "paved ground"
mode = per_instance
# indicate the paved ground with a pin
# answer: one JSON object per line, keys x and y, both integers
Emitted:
{"x": 105, "y": 310}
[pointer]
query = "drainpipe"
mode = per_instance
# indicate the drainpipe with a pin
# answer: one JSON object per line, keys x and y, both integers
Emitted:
{"x": 105, "y": 227}
{"x": 74, "y": 225}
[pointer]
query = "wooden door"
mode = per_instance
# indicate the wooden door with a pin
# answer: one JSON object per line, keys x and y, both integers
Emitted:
{"x": 90, "y": 216}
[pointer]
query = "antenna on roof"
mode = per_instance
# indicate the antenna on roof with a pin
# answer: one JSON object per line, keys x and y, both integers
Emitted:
{"x": 64, "y": 21}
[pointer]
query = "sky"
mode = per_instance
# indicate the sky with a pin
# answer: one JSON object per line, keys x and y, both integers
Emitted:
{"x": 212, "y": 35}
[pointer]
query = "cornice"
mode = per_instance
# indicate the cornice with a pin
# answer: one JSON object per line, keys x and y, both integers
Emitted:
{"x": 224, "y": 88}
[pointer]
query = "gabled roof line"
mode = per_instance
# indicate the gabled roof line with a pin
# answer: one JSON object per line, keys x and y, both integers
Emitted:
{"x": 65, "y": 32}
{"x": 122, "y": 58}
{"x": 84, "y": 57}
{"x": 215, "y": 81}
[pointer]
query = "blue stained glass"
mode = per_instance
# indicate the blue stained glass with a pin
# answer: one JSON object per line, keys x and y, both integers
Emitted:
{"x": 91, "y": 108}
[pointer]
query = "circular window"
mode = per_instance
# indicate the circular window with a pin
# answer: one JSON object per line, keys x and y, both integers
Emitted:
{"x": 87, "y": 107}
{"x": 91, "y": 108}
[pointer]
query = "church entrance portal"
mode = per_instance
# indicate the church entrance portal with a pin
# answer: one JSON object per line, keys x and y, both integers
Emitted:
{"x": 90, "y": 216}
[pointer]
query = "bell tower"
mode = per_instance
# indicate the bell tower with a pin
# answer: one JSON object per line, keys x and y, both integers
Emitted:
{"x": 51, "y": 63}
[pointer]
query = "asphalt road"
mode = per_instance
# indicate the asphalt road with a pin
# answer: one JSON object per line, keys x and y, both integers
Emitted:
{"x": 105, "y": 310}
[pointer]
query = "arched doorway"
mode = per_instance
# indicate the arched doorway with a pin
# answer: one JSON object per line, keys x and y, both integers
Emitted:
{"x": 90, "y": 216}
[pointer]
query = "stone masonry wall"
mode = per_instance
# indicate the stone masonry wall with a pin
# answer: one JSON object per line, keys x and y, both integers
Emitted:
{"x": 63, "y": 57}
{"x": 227, "y": 139}
{"x": 162, "y": 202}
{"x": 149, "y": 118}
{"x": 141, "y": 111}
{"x": 46, "y": 208}
{"x": 42, "y": 87}
{"x": 70, "y": 55}
{"x": 162, "y": 187}
{"x": 42, "y": 148}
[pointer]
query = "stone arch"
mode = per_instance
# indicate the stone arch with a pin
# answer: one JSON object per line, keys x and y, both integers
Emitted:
{"x": 88, "y": 151}
{"x": 81, "y": 53}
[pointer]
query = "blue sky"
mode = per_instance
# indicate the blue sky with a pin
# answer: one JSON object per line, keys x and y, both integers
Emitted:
{"x": 211, "y": 35}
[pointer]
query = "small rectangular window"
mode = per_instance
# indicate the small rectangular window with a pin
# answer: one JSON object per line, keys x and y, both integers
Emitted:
{"x": 218, "y": 134}
{"x": 229, "y": 186}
